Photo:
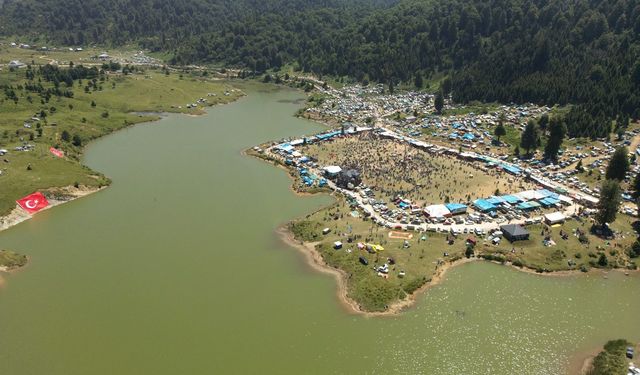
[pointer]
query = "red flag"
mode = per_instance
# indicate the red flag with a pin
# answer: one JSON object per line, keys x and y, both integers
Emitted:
{"x": 33, "y": 203}
{"x": 56, "y": 152}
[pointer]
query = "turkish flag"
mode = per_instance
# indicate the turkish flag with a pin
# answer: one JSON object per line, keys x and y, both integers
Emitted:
{"x": 33, "y": 203}
{"x": 56, "y": 152}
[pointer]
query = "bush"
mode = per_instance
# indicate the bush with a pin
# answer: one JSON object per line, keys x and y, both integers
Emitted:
{"x": 414, "y": 285}
{"x": 305, "y": 230}
{"x": 603, "y": 261}
{"x": 518, "y": 263}
{"x": 584, "y": 268}
{"x": 77, "y": 141}
{"x": 634, "y": 252}
{"x": 611, "y": 360}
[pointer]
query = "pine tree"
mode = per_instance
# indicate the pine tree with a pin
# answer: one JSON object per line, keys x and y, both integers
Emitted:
{"x": 529, "y": 138}
{"x": 609, "y": 202}
{"x": 557, "y": 131}
{"x": 618, "y": 165}
{"x": 418, "y": 81}
{"x": 499, "y": 131}
{"x": 439, "y": 102}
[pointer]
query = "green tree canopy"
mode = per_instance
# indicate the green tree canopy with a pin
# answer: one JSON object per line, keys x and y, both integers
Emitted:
{"x": 439, "y": 102}
{"x": 557, "y": 131}
{"x": 530, "y": 137}
{"x": 609, "y": 202}
{"x": 499, "y": 131}
{"x": 618, "y": 165}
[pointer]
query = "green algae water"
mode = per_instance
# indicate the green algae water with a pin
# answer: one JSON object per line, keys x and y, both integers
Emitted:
{"x": 176, "y": 269}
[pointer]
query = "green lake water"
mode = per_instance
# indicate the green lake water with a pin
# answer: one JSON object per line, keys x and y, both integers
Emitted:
{"x": 175, "y": 269}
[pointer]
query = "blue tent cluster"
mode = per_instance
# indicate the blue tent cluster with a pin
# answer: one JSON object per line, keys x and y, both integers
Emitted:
{"x": 307, "y": 178}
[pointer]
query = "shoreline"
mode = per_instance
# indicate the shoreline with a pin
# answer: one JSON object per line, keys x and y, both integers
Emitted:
{"x": 71, "y": 193}
{"x": 315, "y": 261}
{"x": 18, "y": 215}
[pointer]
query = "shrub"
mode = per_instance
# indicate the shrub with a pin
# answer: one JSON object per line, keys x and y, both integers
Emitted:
{"x": 414, "y": 284}
{"x": 603, "y": 261}
{"x": 584, "y": 268}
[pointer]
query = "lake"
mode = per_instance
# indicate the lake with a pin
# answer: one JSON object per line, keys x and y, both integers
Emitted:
{"x": 176, "y": 269}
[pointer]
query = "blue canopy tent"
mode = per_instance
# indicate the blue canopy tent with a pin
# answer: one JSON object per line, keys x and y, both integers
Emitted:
{"x": 511, "y": 199}
{"x": 456, "y": 208}
{"x": 483, "y": 205}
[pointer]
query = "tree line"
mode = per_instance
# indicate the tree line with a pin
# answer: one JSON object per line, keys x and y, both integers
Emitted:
{"x": 583, "y": 52}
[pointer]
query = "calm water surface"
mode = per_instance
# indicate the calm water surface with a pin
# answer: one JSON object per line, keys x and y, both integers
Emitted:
{"x": 175, "y": 269}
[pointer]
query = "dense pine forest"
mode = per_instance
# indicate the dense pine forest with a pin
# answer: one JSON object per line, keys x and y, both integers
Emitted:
{"x": 582, "y": 52}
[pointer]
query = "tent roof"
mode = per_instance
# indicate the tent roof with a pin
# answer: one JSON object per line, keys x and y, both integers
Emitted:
{"x": 483, "y": 205}
{"x": 455, "y": 206}
{"x": 332, "y": 169}
{"x": 555, "y": 217}
{"x": 437, "y": 210}
{"x": 514, "y": 230}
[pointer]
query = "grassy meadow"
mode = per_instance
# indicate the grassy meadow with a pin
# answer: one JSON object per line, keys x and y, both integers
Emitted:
{"x": 426, "y": 252}
{"x": 68, "y": 123}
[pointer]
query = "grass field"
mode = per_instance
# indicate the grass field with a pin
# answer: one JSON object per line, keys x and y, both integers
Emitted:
{"x": 371, "y": 291}
{"x": 392, "y": 168}
{"x": 535, "y": 255}
{"x": 62, "y": 55}
{"x": 426, "y": 251}
{"x": 90, "y": 114}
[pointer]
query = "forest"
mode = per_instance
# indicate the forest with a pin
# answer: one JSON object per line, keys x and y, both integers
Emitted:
{"x": 585, "y": 52}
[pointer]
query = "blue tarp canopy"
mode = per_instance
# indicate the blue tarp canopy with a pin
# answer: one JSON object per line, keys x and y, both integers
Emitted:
{"x": 286, "y": 147}
{"x": 456, "y": 207}
{"x": 326, "y": 136}
{"x": 511, "y": 169}
{"x": 548, "y": 194}
{"x": 526, "y": 206}
{"x": 453, "y": 135}
{"x": 511, "y": 199}
{"x": 483, "y": 205}
{"x": 495, "y": 201}
{"x": 469, "y": 137}
{"x": 547, "y": 202}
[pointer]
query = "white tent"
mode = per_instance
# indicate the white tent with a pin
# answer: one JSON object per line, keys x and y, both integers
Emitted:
{"x": 437, "y": 211}
{"x": 565, "y": 199}
{"x": 332, "y": 170}
{"x": 554, "y": 218}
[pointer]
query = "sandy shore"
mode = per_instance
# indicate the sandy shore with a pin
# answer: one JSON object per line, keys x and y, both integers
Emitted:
{"x": 64, "y": 195}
